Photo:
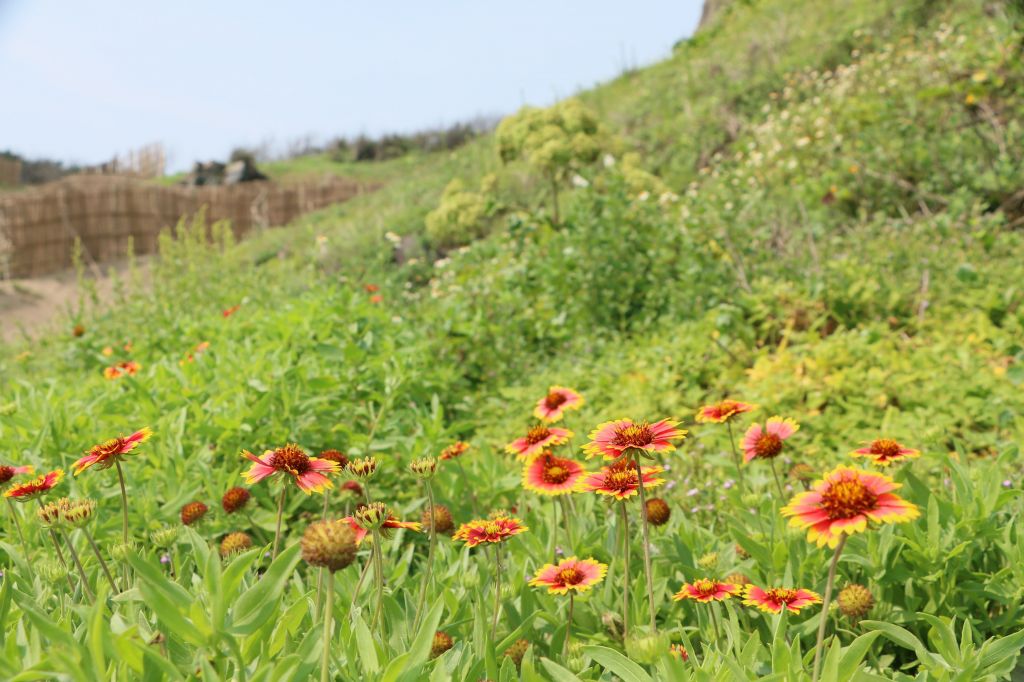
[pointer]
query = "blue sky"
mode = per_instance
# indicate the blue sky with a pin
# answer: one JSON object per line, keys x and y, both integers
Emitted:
{"x": 82, "y": 81}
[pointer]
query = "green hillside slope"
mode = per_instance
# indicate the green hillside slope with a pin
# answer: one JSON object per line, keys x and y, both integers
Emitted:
{"x": 814, "y": 207}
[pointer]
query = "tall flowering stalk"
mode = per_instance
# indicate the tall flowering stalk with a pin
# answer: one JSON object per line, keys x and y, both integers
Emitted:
{"x": 569, "y": 577}
{"x": 629, "y": 439}
{"x": 493, "y": 531}
{"x": 425, "y": 469}
{"x": 843, "y": 502}
{"x": 110, "y": 453}
{"x": 331, "y": 546}
{"x": 377, "y": 520}
{"x": 555, "y": 477}
{"x": 708, "y": 591}
{"x": 307, "y": 473}
{"x": 723, "y": 413}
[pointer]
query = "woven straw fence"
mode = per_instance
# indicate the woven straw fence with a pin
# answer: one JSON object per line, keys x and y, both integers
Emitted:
{"x": 38, "y": 227}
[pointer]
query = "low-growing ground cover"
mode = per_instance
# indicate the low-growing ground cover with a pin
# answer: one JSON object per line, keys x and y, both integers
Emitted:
{"x": 844, "y": 260}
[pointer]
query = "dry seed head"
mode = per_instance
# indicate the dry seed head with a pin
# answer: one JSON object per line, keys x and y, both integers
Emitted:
{"x": 737, "y": 579}
{"x": 329, "y": 544}
{"x": 658, "y": 511}
{"x": 442, "y": 519}
{"x": 855, "y": 601}
{"x": 193, "y": 512}
{"x": 234, "y": 499}
{"x": 517, "y": 650}
{"x": 234, "y": 543}
{"x": 336, "y": 456}
{"x": 442, "y": 643}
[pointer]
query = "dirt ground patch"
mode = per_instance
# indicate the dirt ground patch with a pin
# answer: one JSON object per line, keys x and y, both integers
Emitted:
{"x": 31, "y": 307}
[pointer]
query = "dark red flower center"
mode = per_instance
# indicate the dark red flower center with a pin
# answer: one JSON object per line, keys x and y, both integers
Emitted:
{"x": 291, "y": 458}
{"x": 6, "y": 474}
{"x": 705, "y": 587}
{"x": 537, "y": 434}
{"x": 768, "y": 445}
{"x": 570, "y": 576}
{"x": 781, "y": 595}
{"x": 620, "y": 479}
{"x": 108, "y": 448}
{"x": 847, "y": 498}
{"x": 633, "y": 436}
{"x": 886, "y": 447}
{"x": 555, "y": 400}
{"x": 555, "y": 471}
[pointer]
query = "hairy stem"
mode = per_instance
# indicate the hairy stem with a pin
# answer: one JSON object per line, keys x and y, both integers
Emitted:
{"x": 647, "y": 544}
{"x": 280, "y": 514}
{"x": 428, "y": 571}
{"x": 325, "y": 674}
{"x": 497, "y": 591}
{"x": 103, "y": 564}
{"x": 825, "y": 604}
{"x": 625, "y": 570}
{"x": 735, "y": 454}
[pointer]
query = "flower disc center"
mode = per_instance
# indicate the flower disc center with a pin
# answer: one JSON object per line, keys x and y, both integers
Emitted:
{"x": 633, "y": 436}
{"x": 847, "y": 498}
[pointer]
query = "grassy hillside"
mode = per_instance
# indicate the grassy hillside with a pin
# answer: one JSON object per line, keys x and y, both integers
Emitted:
{"x": 813, "y": 207}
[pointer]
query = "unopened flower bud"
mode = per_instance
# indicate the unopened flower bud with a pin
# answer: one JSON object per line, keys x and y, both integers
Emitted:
{"x": 658, "y": 511}
{"x": 363, "y": 467}
{"x": 709, "y": 561}
{"x": 193, "y": 513}
{"x": 164, "y": 537}
{"x": 423, "y": 467}
{"x": 372, "y": 516}
{"x": 234, "y": 499}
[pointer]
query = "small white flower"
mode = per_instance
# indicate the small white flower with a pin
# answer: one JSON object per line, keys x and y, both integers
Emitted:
{"x": 608, "y": 160}
{"x": 579, "y": 181}
{"x": 392, "y": 237}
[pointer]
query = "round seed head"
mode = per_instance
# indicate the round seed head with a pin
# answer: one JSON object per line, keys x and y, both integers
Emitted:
{"x": 517, "y": 650}
{"x": 336, "y": 456}
{"x": 855, "y": 601}
{"x": 442, "y": 519}
{"x": 193, "y": 512}
{"x": 329, "y": 544}
{"x": 442, "y": 643}
{"x": 234, "y": 543}
{"x": 658, "y": 511}
{"x": 234, "y": 499}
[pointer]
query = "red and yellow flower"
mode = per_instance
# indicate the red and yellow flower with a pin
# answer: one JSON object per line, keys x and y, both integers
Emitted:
{"x": 766, "y": 442}
{"x": 706, "y": 590}
{"x": 552, "y": 407}
{"x": 390, "y": 523}
{"x": 456, "y": 449}
{"x": 612, "y": 439}
{"x": 9, "y": 472}
{"x": 538, "y": 439}
{"x": 572, "y": 574}
{"x": 721, "y": 412}
{"x": 109, "y": 452}
{"x": 29, "y": 490}
{"x": 885, "y": 451}
{"x": 550, "y": 475}
{"x": 127, "y": 368}
{"x": 619, "y": 480}
{"x": 775, "y": 599}
{"x": 291, "y": 460}
{"x": 479, "y": 531}
{"x": 844, "y": 501}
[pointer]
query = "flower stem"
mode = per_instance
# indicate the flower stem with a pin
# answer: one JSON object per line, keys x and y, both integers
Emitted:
{"x": 60, "y": 554}
{"x": 568, "y": 629}
{"x": 647, "y": 544}
{"x": 625, "y": 571}
{"x": 124, "y": 502}
{"x": 714, "y": 619}
{"x": 103, "y": 564}
{"x": 280, "y": 514}
{"x": 21, "y": 534}
{"x": 378, "y": 569}
{"x": 735, "y": 454}
{"x": 427, "y": 573}
{"x": 778, "y": 483}
{"x": 565, "y": 521}
{"x": 552, "y": 550}
{"x": 328, "y": 621}
{"x": 825, "y": 604}
{"x": 497, "y": 591}
{"x": 78, "y": 565}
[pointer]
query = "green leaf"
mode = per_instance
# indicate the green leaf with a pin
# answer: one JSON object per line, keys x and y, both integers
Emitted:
{"x": 557, "y": 672}
{"x": 256, "y": 605}
{"x": 616, "y": 663}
